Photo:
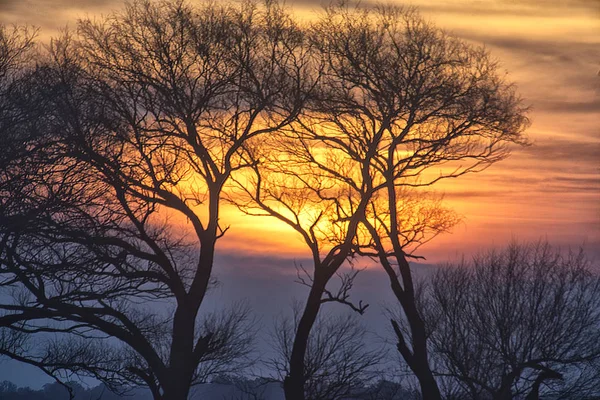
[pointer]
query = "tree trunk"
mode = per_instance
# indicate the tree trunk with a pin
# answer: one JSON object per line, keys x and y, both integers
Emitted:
{"x": 420, "y": 362}
{"x": 176, "y": 392}
{"x": 293, "y": 384}
{"x": 180, "y": 368}
{"x": 428, "y": 384}
{"x": 418, "y": 359}
{"x": 182, "y": 362}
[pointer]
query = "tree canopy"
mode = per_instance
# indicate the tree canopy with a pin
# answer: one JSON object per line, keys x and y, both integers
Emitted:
{"x": 153, "y": 117}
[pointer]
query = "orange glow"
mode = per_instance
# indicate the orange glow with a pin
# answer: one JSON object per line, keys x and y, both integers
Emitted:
{"x": 550, "y": 190}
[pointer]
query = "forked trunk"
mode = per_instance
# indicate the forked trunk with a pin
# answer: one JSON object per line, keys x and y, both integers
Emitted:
{"x": 293, "y": 384}
{"x": 417, "y": 359}
{"x": 420, "y": 362}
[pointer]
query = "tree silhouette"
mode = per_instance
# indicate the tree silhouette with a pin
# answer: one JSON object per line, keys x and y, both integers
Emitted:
{"x": 139, "y": 119}
{"x": 337, "y": 362}
{"x": 517, "y": 322}
{"x": 396, "y": 98}
{"x": 411, "y": 106}
{"x": 133, "y": 131}
{"x": 16, "y": 53}
{"x": 303, "y": 180}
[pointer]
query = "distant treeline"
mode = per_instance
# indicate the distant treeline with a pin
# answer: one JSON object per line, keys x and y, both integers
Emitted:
{"x": 223, "y": 387}
{"x": 56, "y": 391}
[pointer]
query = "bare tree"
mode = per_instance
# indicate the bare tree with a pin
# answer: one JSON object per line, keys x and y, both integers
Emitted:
{"x": 150, "y": 114}
{"x": 16, "y": 52}
{"x": 337, "y": 362}
{"x": 16, "y": 55}
{"x": 516, "y": 323}
{"x": 410, "y": 105}
{"x": 144, "y": 118}
{"x": 289, "y": 185}
{"x": 396, "y": 98}
{"x": 308, "y": 183}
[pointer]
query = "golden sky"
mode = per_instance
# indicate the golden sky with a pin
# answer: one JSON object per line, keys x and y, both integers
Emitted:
{"x": 551, "y": 190}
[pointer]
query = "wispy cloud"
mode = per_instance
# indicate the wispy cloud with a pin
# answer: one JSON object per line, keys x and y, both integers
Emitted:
{"x": 550, "y": 48}
{"x": 556, "y": 150}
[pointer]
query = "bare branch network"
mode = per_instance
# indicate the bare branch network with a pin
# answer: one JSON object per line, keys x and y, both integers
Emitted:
{"x": 165, "y": 112}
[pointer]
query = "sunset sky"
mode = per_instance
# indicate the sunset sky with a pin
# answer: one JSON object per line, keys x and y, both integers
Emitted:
{"x": 550, "y": 49}
{"x": 550, "y": 190}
